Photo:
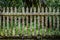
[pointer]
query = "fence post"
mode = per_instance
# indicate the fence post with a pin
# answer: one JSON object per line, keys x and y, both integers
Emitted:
{"x": 39, "y": 25}
{"x": 19, "y": 23}
{"x": 46, "y": 19}
{"x": 4, "y": 25}
{"x": 42, "y": 21}
{"x": 23, "y": 20}
{"x": 7, "y": 25}
{"x": 35, "y": 25}
{"x": 31, "y": 21}
{"x": 58, "y": 19}
{"x": 27, "y": 24}
{"x": 11, "y": 21}
{"x": 42, "y": 25}
{"x": 0, "y": 22}
{"x": 50, "y": 20}
{"x": 0, "y": 25}
{"x": 27, "y": 21}
{"x": 35, "y": 21}
{"x": 31, "y": 24}
{"x": 15, "y": 18}
{"x": 53, "y": 18}
{"x": 23, "y": 25}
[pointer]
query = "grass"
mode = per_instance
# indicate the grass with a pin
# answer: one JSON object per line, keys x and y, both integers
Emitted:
{"x": 15, "y": 30}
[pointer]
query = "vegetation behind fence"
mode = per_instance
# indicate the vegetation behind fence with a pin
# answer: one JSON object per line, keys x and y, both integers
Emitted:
{"x": 27, "y": 22}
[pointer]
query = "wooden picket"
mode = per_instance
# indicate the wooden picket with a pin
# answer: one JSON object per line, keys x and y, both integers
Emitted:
{"x": 41, "y": 19}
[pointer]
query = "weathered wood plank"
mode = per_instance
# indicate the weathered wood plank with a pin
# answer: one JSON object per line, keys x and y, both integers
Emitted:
{"x": 20, "y": 14}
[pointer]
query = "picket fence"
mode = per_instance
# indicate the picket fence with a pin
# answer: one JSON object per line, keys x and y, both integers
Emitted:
{"x": 21, "y": 21}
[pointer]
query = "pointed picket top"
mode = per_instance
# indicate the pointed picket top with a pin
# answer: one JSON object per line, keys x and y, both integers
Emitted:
{"x": 11, "y": 9}
{"x": 27, "y": 10}
{"x": 42, "y": 9}
{"x": 31, "y": 10}
{"x": 46, "y": 10}
{"x": 3, "y": 9}
{"x": 34, "y": 9}
{"x": 7, "y": 9}
{"x": 50, "y": 9}
{"x": 15, "y": 10}
{"x": 38, "y": 9}
{"x": 23, "y": 10}
{"x": 58, "y": 10}
{"x": 54, "y": 10}
{"x": 19, "y": 9}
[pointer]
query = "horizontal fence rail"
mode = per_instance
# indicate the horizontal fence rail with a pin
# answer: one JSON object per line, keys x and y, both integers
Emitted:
{"x": 27, "y": 22}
